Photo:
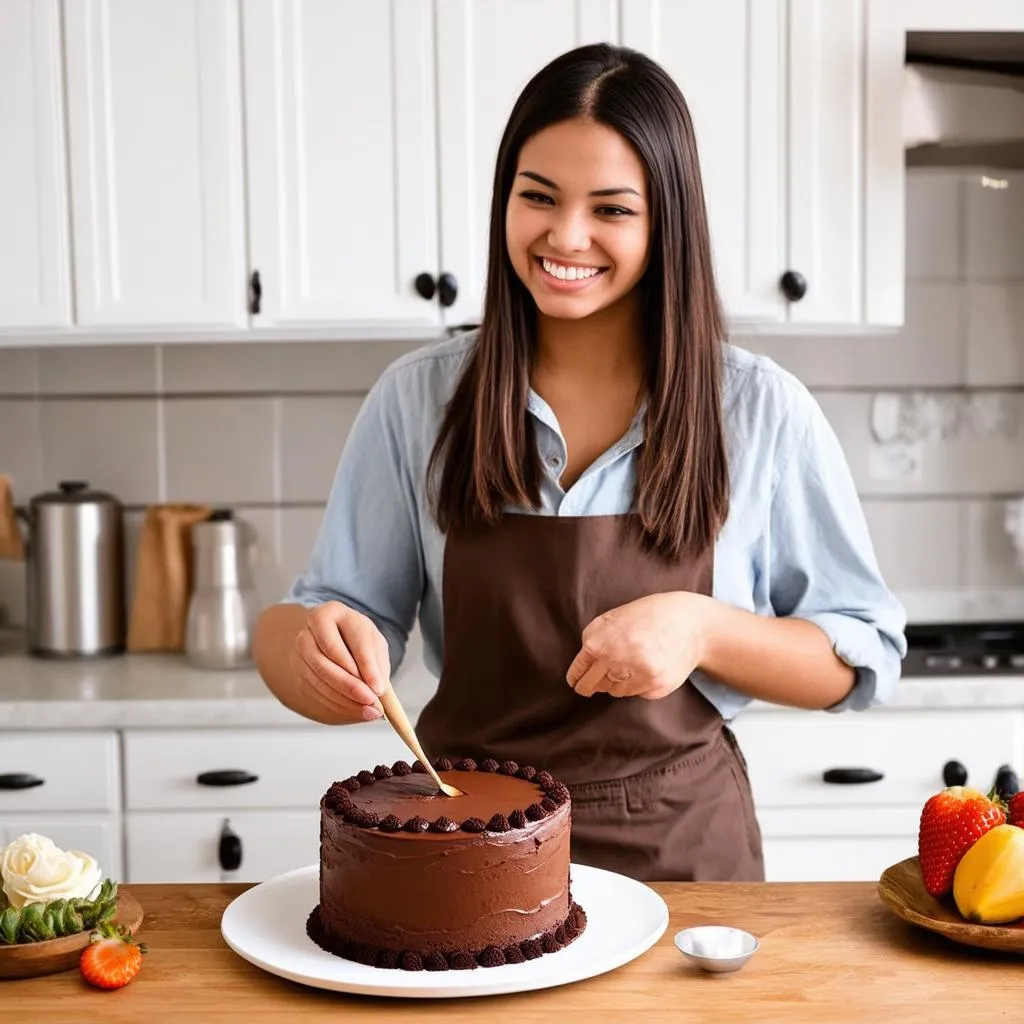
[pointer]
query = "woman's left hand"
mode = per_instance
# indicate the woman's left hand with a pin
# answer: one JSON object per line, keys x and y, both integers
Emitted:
{"x": 646, "y": 648}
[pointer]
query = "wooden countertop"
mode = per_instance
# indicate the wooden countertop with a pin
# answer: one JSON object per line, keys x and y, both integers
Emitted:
{"x": 829, "y": 952}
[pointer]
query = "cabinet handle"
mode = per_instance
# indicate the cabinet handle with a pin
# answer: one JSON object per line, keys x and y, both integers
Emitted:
{"x": 794, "y": 285}
{"x": 255, "y": 292}
{"x": 426, "y": 286}
{"x": 229, "y": 849}
{"x": 226, "y": 777}
{"x": 851, "y": 776}
{"x": 20, "y": 780}
{"x": 954, "y": 774}
{"x": 1007, "y": 784}
{"x": 448, "y": 289}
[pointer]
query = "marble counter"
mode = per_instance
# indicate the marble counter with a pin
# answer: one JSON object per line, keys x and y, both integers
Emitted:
{"x": 163, "y": 691}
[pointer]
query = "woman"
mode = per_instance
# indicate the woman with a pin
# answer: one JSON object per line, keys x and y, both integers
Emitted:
{"x": 616, "y": 528}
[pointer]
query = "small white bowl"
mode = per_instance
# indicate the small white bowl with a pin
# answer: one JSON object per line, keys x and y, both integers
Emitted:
{"x": 716, "y": 948}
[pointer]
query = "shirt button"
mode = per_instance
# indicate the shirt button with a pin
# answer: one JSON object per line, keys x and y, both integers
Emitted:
{"x": 554, "y": 461}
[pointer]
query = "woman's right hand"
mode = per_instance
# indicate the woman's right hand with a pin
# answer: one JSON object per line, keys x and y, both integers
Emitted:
{"x": 341, "y": 661}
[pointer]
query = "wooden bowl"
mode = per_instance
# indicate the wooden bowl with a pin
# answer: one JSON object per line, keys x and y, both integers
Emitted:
{"x": 902, "y": 890}
{"x": 30, "y": 959}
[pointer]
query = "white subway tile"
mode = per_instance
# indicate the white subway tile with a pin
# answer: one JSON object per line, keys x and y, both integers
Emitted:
{"x": 927, "y": 352}
{"x": 991, "y": 558}
{"x": 961, "y": 465}
{"x": 112, "y": 444}
{"x": 21, "y": 450}
{"x": 339, "y": 366}
{"x": 98, "y": 370}
{"x": 995, "y": 333}
{"x": 222, "y": 368}
{"x": 299, "y": 527}
{"x": 917, "y": 542}
{"x": 933, "y": 221}
{"x": 313, "y": 433}
{"x": 995, "y": 226}
{"x": 19, "y": 371}
{"x": 221, "y": 450}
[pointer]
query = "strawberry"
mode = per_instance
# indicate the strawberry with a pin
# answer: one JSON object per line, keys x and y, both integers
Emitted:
{"x": 951, "y": 823}
{"x": 1015, "y": 813}
{"x": 112, "y": 958}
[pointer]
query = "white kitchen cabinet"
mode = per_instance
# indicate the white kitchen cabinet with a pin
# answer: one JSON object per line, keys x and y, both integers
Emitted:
{"x": 277, "y": 768}
{"x": 34, "y": 259}
{"x": 42, "y": 772}
{"x": 826, "y": 172}
{"x": 486, "y": 53}
{"x": 178, "y": 846}
{"x": 818, "y": 830}
{"x": 95, "y": 834}
{"x": 728, "y": 59}
{"x": 342, "y": 168}
{"x": 156, "y": 164}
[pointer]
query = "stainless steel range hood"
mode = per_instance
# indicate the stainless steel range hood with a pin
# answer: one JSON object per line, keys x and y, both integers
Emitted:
{"x": 963, "y": 99}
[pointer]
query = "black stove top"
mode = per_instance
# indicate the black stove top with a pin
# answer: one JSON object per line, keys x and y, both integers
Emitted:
{"x": 965, "y": 649}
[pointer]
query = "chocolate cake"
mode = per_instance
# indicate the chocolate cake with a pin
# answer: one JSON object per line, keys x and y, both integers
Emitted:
{"x": 413, "y": 879}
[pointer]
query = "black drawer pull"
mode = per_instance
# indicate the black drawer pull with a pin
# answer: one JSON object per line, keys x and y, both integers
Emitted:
{"x": 20, "y": 780}
{"x": 851, "y": 776}
{"x": 226, "y": 777}
{"x": 229, "y": 848}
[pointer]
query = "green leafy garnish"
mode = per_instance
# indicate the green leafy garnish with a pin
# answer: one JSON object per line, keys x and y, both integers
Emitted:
{"x": 38, "y": 922}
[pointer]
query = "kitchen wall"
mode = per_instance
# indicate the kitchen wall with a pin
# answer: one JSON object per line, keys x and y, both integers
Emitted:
{"x": 260, "y": 427}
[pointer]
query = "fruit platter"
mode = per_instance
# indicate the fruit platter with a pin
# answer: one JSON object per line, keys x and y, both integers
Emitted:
{"x": 967, "y": 880}
{"x": 57, "y": 911}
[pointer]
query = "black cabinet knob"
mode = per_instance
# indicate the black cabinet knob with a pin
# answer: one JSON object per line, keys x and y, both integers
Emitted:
{"x": 448, "y": 289}
{"x": 1007, "y": 784}
{"x": 226, "y": 777}
{"x": 851, "y": 776}
{"x": 954, "y": 774}
{"x": 426, "y": 286}
{"x": 20, "y": 780}
{"x": 793, "y": 285}
{"x": 229, "y": 849}
{"x": 255, "y": 292}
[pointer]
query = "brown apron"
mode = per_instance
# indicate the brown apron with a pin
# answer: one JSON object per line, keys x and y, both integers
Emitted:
{"x": 659, "y": 789}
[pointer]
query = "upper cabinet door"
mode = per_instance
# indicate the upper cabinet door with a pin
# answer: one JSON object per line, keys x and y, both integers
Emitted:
{"x": 340, "y": 118}
{"x": 826, "y": 162}
{"x": 486, "y": 53}
{"x": 155, "y": 126}
{"x": 728, "y": 59}
{"x": 34, "y": 289}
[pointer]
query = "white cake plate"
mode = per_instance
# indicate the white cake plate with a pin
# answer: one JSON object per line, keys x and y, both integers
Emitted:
{"x": 266, "y": 925}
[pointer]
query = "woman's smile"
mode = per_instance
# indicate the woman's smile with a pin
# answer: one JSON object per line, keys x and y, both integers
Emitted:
{"x": 567, "y": 277}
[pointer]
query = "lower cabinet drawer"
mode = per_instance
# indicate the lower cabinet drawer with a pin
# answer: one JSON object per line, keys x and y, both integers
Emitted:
{"x": 842, "y": 844}
{"x": 832, "y": 858}
{"x": 59, "y": 771}
{"x": 274, "y": 768}
{"x": 180, "y": 846}
{"x": 788, "y": 753}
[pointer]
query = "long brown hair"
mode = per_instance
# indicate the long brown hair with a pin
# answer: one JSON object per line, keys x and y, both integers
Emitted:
{"x": 485, "y": 450}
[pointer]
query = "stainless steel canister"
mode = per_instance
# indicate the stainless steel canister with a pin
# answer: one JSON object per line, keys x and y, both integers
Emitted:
{"x": 75, "y": 572}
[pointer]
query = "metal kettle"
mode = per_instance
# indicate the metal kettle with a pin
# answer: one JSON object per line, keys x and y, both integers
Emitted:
{"x": 75, "y": 572}
{"x": 224, "y": 604}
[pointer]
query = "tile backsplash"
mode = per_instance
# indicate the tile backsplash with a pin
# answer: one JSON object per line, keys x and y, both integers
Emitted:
{"x": 259, "y": 427}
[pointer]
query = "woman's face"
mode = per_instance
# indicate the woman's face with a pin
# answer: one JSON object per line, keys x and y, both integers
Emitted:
{"x": 577, "y": 222}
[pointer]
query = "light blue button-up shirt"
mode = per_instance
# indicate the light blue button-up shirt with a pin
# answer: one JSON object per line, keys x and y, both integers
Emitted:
{"x": 795, "y": 541}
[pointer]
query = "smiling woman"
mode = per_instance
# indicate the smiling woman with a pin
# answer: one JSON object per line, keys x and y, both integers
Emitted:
{"x": 617, "y": 529}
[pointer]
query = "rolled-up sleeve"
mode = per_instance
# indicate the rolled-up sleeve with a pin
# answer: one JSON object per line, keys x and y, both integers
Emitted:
{"x": 823, "y": 565}
{"x": 368, "y": 552}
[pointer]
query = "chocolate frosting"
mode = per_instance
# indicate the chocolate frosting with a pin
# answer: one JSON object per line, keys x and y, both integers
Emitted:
{"x": 500, "y": 878}
{"x": 485, "y": 794}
